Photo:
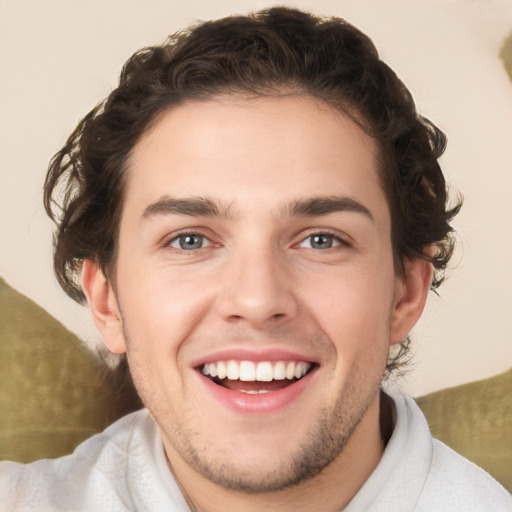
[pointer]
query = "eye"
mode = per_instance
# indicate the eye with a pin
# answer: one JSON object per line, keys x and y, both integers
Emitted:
{"x": 321, "y": 241}
{"x": 189, "y": 242}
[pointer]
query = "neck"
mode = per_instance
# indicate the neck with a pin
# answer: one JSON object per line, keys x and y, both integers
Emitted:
{"x": 330, "y": 491}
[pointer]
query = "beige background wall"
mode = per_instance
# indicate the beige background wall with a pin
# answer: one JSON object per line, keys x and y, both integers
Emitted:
{"x": 59, "y": 57}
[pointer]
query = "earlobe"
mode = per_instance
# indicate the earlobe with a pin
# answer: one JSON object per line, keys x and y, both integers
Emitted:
{"x": 410, "y": 297}
{"x": 103, "y": 305}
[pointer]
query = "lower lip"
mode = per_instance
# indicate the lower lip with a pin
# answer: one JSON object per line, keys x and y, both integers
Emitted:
{"x": 261, "y": 403}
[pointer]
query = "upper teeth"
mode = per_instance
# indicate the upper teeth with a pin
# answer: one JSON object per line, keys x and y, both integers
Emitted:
{"x": 264, "y": 371}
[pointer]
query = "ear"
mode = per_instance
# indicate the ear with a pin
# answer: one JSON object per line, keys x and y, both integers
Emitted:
{"x": 103, "y": 305}
{"x": 410, "y": 296}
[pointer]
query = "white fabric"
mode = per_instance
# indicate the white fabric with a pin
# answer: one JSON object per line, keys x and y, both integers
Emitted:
{"x": 124, "y": 469}
{"x": 421, "y": 474}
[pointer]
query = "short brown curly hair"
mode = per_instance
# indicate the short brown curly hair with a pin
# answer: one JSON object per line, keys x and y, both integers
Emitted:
{"x": 261, "y": 54}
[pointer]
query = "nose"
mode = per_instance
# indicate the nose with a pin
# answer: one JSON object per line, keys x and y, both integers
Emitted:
{"x": 257, "y": 289}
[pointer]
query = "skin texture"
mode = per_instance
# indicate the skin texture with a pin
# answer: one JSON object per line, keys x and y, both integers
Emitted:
{"x": 259, "y": 283}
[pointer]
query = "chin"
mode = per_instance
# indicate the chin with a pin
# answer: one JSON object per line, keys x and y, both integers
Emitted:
{"x": 282, "y": 462}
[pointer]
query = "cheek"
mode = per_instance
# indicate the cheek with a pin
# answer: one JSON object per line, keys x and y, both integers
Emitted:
{"x": 354, "y": 310}
{"x": 360, "y": 294}
{"x": 162, "y": 310}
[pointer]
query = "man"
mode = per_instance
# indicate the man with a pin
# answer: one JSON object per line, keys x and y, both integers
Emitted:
{"x": 255, "y": 216}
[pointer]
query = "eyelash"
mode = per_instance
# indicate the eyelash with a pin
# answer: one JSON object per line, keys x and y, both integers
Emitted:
{"x": 335, "y": 240}
{"x": 185, "y": 234}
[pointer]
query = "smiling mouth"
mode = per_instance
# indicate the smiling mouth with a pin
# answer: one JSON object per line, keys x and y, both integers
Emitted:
{"x": 256, "y": 378}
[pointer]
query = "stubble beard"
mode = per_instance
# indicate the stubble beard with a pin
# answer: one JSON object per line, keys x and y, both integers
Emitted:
{"x": 324, "y": 443}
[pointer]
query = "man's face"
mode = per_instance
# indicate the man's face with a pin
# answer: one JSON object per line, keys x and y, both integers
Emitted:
{"x": 255, "y": 244}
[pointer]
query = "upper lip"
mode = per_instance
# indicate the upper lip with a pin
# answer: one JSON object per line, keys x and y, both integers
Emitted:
{"x": 253, "y": 354}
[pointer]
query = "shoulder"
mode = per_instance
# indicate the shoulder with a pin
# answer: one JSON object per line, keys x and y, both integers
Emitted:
{"x": 94, "y": 471}
{"x": 452, "y": 482}
{"x": 458, "y": 484}
{"x": 432, "y": 475}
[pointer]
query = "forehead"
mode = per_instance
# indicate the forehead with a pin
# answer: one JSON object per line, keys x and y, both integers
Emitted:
{"x": 250, "y": 153}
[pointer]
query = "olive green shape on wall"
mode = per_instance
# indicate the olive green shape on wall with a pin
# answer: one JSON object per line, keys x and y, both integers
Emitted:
{"x": 506, "y": 55}
{"x": 475, "y": 420}
{"x": 54, "y": 391}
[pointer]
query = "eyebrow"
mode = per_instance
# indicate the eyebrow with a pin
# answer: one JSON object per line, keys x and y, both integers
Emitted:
{"x": 325, "y": 205}
{"x": 194, "y": 206}
{"x": 305, "y": 207}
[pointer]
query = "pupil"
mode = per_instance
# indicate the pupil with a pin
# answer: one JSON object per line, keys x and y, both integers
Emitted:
{"x": 191, "y": 242}
{"x": 321, "y": 242}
